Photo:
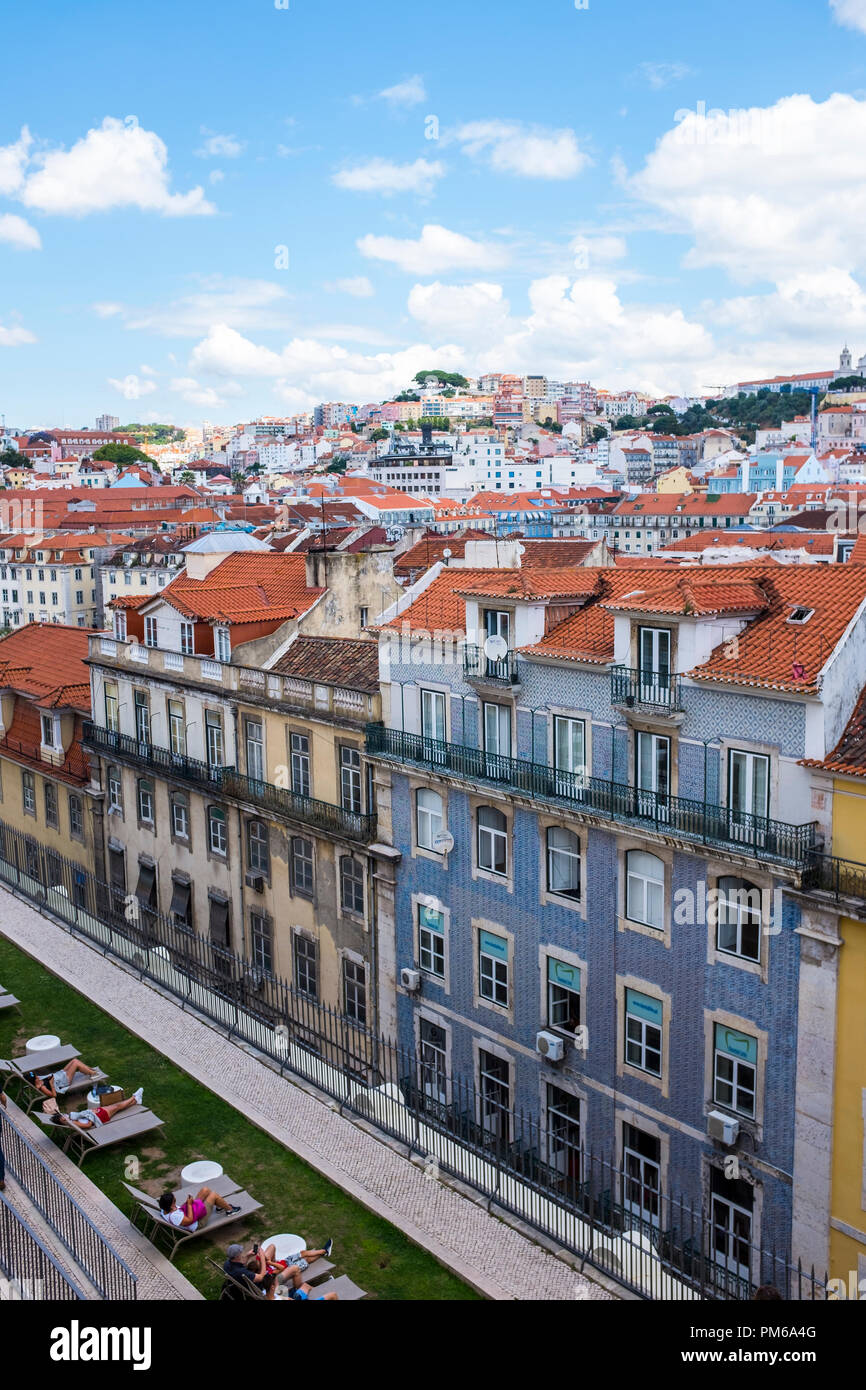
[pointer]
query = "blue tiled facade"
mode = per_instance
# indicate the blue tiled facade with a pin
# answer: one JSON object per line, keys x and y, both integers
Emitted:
{"x": 679, "y": 964}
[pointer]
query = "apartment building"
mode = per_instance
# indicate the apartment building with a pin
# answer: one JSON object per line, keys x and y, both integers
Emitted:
{"x": 594, "y": 782}
{"x": 143, "y": 566}
{"x": 52, "y": 579}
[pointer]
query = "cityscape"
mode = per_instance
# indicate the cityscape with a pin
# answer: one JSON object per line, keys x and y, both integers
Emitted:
{"x": 433, "y": 671}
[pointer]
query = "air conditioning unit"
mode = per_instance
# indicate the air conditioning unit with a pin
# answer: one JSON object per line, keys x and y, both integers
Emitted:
{"x": 410, "y": 980}
{"x": 256, "y": 882}
{"x": 723, "y": 1128}
{"x": 550, "y": 1046}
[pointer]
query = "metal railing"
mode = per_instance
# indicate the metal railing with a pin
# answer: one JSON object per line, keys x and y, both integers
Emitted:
{"x": 655, "y": 1243}
{"x": 227, "y": 781}
{"x": 31, "y": 1271}
{"x": 478, "y": 666}
{"x": 74, "y": 765}
{"x": 658, "y": 689}
{"x": 695, "y": 821}
{"x": 844, "y": 878}
{"x": 87, "y": 1245}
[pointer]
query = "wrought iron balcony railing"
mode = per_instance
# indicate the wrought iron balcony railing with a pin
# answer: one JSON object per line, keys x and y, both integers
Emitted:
{"x": 696, "y": 821}
{"x": 73, "y": 765}
{"x": 227, "y": 781}
{"x": 478, "y": 666}
{"x": 657, "y": 689}
{"x": 844, "y": 878}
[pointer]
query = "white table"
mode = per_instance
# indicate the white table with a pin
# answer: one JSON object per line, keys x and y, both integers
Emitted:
{"x": 44, "y": 1043}
{"x": 201, "y": 1172}
{"x": 285, "y": 1246}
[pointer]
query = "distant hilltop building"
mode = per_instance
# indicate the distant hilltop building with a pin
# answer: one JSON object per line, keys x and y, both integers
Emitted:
{"x": 803, "y": 381}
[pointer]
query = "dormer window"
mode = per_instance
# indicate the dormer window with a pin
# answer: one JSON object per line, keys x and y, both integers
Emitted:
{"x": 222, "y": 644}
{"x": 150, "y": 633}
{"x": 120, "y": 625}
{"x": 50, "y": 732}
{"x": 800, "y": 615}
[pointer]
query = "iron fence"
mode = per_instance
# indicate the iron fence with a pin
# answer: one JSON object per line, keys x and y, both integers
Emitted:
{"x": 844, "y": 878}
{"x": 73, "y": 765}
{"x": 659, "y": 689}
{"x": 500, "y": 670}
{"x": 655, "y": 1243}
{"x": 670, "y": 815}
{"x": 31, "y": 1271}
{"x": 73, "y": 1227}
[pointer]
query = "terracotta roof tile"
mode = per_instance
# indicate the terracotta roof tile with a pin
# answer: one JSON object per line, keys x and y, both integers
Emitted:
{"x": 849, "y": 756}
{"x": 45, "y": 661}
{"x": 244, "y": 588}
{"x": 348, "y": 662}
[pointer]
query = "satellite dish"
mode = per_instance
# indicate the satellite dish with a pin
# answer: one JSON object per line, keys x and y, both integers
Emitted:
{"x": 495, "y": 648}
{"x": 443, "y": 843}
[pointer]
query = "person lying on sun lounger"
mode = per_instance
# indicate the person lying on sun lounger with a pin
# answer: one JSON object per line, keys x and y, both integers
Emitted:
{"x": 195, "y": 1210}
{"x": 58, "y": 1084}
{"x": 299, "y": 1290}
{"x": 92, "y": 1119}
{"x": 300, "y": 1261}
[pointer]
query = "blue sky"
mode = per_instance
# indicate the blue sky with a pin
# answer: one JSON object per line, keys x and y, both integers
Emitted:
{"x": 222, "y": 209}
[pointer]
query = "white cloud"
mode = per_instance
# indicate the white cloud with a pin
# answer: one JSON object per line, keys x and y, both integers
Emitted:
{"x": 851, "y": 13}
{"x": 660, "y": 75}
{"x": 460, "y": 309}
{"x": 596, "y": 249}
{"x": 131, "y": 387}
{"x": 533, "y": 152}
{"x": 358, "y": 286}
{"x": 241, "y": 303}
{"x": 381, "y": 176}
{"x": 220, "y": 146}
{"x": 113, "y": 166}
{"x": 15, "y": 336}
{"x": 436, "y": 250}
{"x": 411, "y": 92}
{"x": 19, "y": 233}
{"x": 13, "y": 162}
{"x": 196, "y": 394}
{"x": 215, "y": 176}
{"x": 107, "y": 309}
{"x": 734, "y": 181}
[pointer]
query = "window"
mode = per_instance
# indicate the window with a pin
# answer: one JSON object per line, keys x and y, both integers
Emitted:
{"x": 255, "y": 749}
{"x": 181, "y": 902}
{"x": 433, "y": 715}
{"x": 428, "y": 817}
{"x": 569, "y": 751}
{"x": 363, "y": 617}
{"x": 495, "y": 1093}
{"x": 187, "y": 638}
{"x": 652, "y": 765}
{"x": 145, "y": 801}
{"x": 258, "y": 847}
{"x": 643, "y": 1032}
{"x": 262, "y": 940}
{"x": 112, "y": 716}
{"x": 644, "y": 889}
{"x": 497, "y": 730}
{"x": 354, "y": 991}
{"x": 117, "y": 874}
{"x": 431, "y": 941}
{"x": 492, "y": 840}
{"x": 735, "y": 1070}
{"x": 79, "y": 598}
{"x": 79, "y": 575}
{"x": 150, "y": 630}
{"x": 563, "y": 862}
{"x": 222, "y": 644}
{"x": 563, "y": 1132}
{"x": 299, "y": 748}
{"x": 350, "y": 779}
{"x": 351, "y": 885}
{"x": 145, "y": 889}
{"x": 654, "y": 649}
{"x": 302, "y": 866}
{"x": 732, "y": 1203}
{"x": 48, "y": 731}
{"x": 219, "y": 923}
{"x": 497, "y": 624}
{"x": 115, "y": 789}
{"x": 306, "y": 966}
{"x": 433, "y": 1060}
{"x": 142, "y": 717}
{"x": 217, "y": 831}
{"x": 120, "y": 625}
{"x": 493, "y": 968}
{"x": 748, "y": 784}
{"x": 180, "y": 816}
{"x": 641, "y": 1167}
{"x": 214, "y": 738}
{"x": 563, "y": 995}
{"x": 176, "y": 728}
{"x": 28, "y": 793}
{"x": 738, "y": 919}
{"x": 52, "y": 815}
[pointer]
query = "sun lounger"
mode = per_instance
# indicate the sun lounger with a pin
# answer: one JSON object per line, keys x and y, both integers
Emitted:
{"x": 50, "y": 1060}
{"x": 31, "y": 1096}
{"x": 8, "y": 1001}
{"x": 129, "y": 1124}
{"x": 317, "y": 1270}
{"x": 346, "y": 1291}
{"x": 156, "y": 1228}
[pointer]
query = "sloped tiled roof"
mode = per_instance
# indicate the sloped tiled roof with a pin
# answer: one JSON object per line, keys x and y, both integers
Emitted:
{"x": 244, "y": 588}
{"x": 691, "y": 594}
{"x": 45, "y": 661}
{"x": 348, "y": 662}
{"x": 849, "y": 756}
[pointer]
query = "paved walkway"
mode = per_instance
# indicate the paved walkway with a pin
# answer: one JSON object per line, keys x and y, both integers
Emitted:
{"x": 494, "y": 1258}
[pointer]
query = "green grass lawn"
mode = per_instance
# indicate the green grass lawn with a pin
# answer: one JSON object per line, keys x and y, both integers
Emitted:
{"x": 200, "y": 1125}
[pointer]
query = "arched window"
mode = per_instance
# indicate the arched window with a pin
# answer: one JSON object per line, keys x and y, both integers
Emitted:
{"x": 645, "y": 889}
{"x": 563, "y": 862}
{"x": 258, "y": 847}
{"x": 492, "y": 840}
{"x": 428, "y": 816}
{"x": 351, "y": 885}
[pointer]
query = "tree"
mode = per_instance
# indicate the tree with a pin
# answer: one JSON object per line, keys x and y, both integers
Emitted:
{"x": 446, "y": 378}
{"x": 238, "y": 478}
{"x": 120, "y": 454}
{"x": 187, "y": 478}
{"x": 849, "y": 383}
{"x": 378, "y": 434}
{"x": 10, "y": 458}
{"x": 338, "y": 464}
{"x": 598, "y": 432}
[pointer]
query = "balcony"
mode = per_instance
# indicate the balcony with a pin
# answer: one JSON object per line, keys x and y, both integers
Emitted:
{"x": 696, "y": 822}
{"x": 842, "y": 878}
{"x": 654, "y": 691}
{"x": 227, "y": 781}
{"x": 477, "y": 666}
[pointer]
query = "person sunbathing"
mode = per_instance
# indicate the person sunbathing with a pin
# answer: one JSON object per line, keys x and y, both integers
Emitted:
{"x": 299, "y": 1291}
{"x": 300, "y": 1261}
{"x": 195, "y": 1210}
{"x": 92, "y": 1119}
{"x": 56, "y": 1085}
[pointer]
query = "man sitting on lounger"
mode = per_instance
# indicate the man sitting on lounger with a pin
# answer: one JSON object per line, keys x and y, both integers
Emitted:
{"x": 57, "y": 1085}
{"x": 92, "y": 1119}
{"x": 195, "y": 1210}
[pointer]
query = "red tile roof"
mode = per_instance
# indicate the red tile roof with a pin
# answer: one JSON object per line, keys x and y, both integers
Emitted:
{"x": 45, "y": 661}
{"x": 347, "y": 662}
{"x": 244, "y": 588}
{"x": 848, "y": 758}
